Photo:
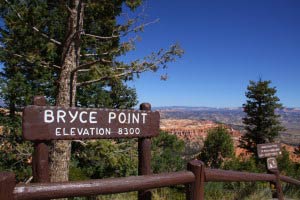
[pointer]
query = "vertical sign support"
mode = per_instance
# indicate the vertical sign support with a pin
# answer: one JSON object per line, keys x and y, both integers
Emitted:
{"x": 195, "y": 190}
{"x": 270, "y": 151}
{"x": 7, "y": 185}
{"x": 278, "y": 194}
{"x": 144, "y": 152}
{"x": 40, "y": 159}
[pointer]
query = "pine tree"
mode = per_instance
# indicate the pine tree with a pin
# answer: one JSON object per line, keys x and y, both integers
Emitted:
{"x": 217, "y": 147}
{"x": 60, "y": 47}
{"x": 262, "y": 124}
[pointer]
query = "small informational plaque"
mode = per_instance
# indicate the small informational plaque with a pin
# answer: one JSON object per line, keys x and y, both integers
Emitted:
{"x": 57, "y": 123}
{"x": 268, "y": 150}
{"x": 272, "y": 163}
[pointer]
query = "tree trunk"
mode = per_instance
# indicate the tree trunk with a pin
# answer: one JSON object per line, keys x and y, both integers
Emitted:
{"x": 61, "y": 150}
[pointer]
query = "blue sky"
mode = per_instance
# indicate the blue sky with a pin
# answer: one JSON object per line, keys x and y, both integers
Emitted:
{"x": 226, "y": 43}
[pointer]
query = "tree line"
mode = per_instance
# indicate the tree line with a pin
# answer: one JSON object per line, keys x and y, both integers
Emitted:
{"x": 69, "y": 52}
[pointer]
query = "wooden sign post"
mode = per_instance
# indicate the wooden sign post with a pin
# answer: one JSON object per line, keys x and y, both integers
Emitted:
{"x": 43, "y": 123}
{"x": 270, "y": 151}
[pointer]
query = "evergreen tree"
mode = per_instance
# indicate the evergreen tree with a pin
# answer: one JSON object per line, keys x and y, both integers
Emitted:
{"x": 59, "y": 47}
{"x": 167, "y": 153}
{"x": 262, "y": 124}
{"x": 217, "y": 147}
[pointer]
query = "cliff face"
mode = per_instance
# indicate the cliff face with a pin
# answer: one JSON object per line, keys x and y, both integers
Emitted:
{"x": 193, "y": 129}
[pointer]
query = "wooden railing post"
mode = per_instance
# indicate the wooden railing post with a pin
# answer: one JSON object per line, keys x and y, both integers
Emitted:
{"x": 144, "y": 152}
{"x": 40, "y": 159}
{"x": 195, "y": 191}
{"x": 7, "y": 185}
{"x": 278, "y": 189}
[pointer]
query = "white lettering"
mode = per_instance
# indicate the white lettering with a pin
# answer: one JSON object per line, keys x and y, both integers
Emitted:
{"x": 122, "y": 118}
{"x": 137, "y": 131}
{"x": 80, "y": 131}
{"x": 128, "y": 116}
{"x": 57, "y": 132}
{"x": 92, "y": 131}
{"x": 61, "y": 116}
{"x": 120, "y": 132}
{"x": 144, "y": 117}
{"x": 73, "y": 116}
{"x": 48, "y": 116}
{"x": 111, "y": 116}
{"x": 86, "y": 132}
{"x": 72, "y": 130}
{"x": 108, "y": 131}
{"x": 81, "y": 117}
{"x": 131, "y": 131}
{"x": 92, "y": 118}
{"x": 135, "y": 118}
{"x": 102, "y": 131}
{"x": 64, "y": 132}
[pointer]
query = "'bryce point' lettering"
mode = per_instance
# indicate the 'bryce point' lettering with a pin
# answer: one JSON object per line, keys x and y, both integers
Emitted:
{"x": 57, "y": 123}
{"x": 61, "y": 116}
{"x": 129, "y": 118}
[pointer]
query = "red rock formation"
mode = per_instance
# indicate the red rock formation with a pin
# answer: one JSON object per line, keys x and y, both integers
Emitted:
{"x": 192, "y": 130}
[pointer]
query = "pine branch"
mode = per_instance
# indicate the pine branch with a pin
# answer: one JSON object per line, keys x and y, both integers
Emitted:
{"x": 109, "y": 77}
{"x": 87, "y": 65}
{"x": 33, "y": 27}
{"x": 43, "y": 63}
{"x": 151, "y": 63}
{"x": 112, "y": 36}
{"x": 101, "y": 37}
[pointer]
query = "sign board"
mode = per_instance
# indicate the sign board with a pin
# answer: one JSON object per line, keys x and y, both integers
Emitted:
{"x": 272, "y": 163}
{"x": 57, "y": 123}
{"x": 268, "y": 150}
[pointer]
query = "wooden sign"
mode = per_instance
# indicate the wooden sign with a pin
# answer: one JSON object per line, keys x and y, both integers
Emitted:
{"x": 272, "y": 163}
{"x": 57, "y": 123}
{"x": 268, "y": 150}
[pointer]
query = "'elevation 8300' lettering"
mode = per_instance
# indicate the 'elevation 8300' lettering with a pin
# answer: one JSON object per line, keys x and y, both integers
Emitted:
{"x": 129, "y": 131}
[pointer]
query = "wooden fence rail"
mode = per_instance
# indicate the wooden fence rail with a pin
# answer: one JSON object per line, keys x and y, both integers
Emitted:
{"x": 216, "y": 175}
{"x": 194, "y": 178}
{"x": 101, "y": 186}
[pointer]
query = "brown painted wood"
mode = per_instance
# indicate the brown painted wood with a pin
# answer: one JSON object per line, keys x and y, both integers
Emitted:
{"x": 40, "y": 157}
{"x": 196, "y": 189}
{"x": 40, "y": 163}
{"x": 102, "y": 186}
{"x": 278, "y": 189}
{"x": 144, "y": 153}
{"x": 7, "y": 185}
{"x": 48, "y": 123}
{"x": 39, "y": 101}
{"x": 289, "y": 180}
{"x": 217, "y": 175}
{"x": 127, "y": 184}
{"x": 267, "y": 150}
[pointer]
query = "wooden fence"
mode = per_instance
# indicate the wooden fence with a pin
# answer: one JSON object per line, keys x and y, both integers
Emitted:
{"x": 40, "y": 126}
{"x": 194, "y": 178}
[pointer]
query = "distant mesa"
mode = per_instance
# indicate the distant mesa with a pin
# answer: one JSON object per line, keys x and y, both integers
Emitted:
{"x": 193, "y": 123}
{"x": 188, "y": 129}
